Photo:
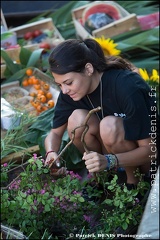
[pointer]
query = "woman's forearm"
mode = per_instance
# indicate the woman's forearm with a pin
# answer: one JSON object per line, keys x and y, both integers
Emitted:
{"x": 136, "y": 157}
{"x": 52, "y": 142}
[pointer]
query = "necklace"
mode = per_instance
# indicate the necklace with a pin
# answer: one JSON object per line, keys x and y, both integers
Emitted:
{"x": 101, "y": 102}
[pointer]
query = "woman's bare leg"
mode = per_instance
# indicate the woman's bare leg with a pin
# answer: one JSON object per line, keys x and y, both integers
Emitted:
{"x": 92, "y": 137}
{"x": 112, "y": 134}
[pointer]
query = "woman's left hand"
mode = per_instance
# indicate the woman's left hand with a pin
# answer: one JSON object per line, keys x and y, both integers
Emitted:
{"x": 95, "y": 162}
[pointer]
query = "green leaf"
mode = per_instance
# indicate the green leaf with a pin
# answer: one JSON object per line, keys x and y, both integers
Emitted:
{"x": 24, "y": 55}
{"x": 63, "y": 15}
{"x": 23, "y": 195}
{"x": 116, "y": 203}
{"x": 121, "y": 205}
{"x": 10, "y": 64}
{"x": 72, "y": 199}
{"x": 47, "y": 208}
{"x": 23, "y": 174}
{"x": 18, "y": 75}
{"x": 124, "y": 225}
{"x": 108, "y": 201}
{"x": 35, "y": 56}
{"x": 46, "y": 195}
{"x": 139, "y": 7}
{"x": 143, "y": 38}
{"x": 62, "y": 18}
{"x": 29, "y": 199}
{"x": 81, "y": 199}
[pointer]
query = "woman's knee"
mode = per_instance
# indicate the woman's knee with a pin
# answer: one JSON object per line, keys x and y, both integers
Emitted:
{"x": 111, "y": 130}
{"x": 76, "y": 119}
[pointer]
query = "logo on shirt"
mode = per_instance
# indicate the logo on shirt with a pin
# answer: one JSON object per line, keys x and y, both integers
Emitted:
{"x": 122, "y": 115}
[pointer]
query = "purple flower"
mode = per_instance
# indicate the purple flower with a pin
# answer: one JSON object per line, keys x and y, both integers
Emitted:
{"x": 43, "y": 161}
{"x": 42, "y": 191}
{"x": 76, "y": 192}
{"x": 136, "y": 201}
{"x": 87, "y": 218}
{"x": 90, "y": 175}
{"x": 5, "y": 164}
{"x": 74, "y": 175}
{"x": 35, "y": 156}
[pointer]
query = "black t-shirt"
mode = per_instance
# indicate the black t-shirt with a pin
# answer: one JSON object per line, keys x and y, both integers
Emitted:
{"x": 124, "y": 94}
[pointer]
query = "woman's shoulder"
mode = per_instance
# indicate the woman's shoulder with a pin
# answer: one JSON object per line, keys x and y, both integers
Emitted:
{"x": 124, "y": 82}
{"x": 122, "y": 76}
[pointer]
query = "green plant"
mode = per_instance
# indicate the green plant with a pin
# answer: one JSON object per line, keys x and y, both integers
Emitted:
{"x": 16, "y": 71}
{"x": 122, "y": 214}
{"x": 39, "y": 203}
{"x": 14, "y": 139}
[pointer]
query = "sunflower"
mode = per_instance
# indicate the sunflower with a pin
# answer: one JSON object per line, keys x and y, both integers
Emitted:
{"x": 108, "y": 46}
{"x": 154, "y": 77}
{"x": 144, "y": 74}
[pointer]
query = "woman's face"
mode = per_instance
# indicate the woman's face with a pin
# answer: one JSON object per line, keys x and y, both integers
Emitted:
{"x": 76, "y": 85}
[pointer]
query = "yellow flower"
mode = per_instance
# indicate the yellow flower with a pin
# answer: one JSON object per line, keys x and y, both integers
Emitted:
{"x": 144, "y": 74}
{"x": 155, "y": 76}
{"x": 108, "y": 46}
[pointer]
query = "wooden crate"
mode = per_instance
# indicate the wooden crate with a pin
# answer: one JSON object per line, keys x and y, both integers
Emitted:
{"x": 126, "y": 23}
{"x": 13, "y": 53}
{"x": 42, "y": 25}
{"x": 3, "y": 67}
{"x": 21, "y": 30}
{"x": 54, "y": 89}
{"x": 18, "y": 156}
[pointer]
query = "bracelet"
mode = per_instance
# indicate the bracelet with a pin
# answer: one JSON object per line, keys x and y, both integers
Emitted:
{"x": 48, "y": 153}
{"x": 112, "y": 161}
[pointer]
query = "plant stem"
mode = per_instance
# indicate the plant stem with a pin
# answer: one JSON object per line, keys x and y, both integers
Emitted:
{"x": 82, "y": 137}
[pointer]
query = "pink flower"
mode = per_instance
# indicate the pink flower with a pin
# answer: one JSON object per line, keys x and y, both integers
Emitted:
{"x": 89, "y": 175}
{"x": 5, "y": 164}
{"x": 87, "y": 218}
{"x": 35, "y": 156}
{"x": 74, "y": 175}
{"x": 42, "y": 191}
{"x": 43, "y": 161}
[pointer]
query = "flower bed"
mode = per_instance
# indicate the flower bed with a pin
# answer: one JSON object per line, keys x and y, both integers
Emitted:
{"x": 43, "y": 205}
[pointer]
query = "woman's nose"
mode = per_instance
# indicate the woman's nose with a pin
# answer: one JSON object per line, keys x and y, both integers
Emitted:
{"x": 65, "y": 90}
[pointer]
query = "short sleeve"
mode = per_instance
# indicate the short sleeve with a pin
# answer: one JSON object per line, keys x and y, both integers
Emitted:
{"x": 63, "y": 110}
{"x": 137, "y": 120}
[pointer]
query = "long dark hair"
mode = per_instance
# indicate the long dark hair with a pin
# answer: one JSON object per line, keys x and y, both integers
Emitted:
{"x": 73, "y": 54}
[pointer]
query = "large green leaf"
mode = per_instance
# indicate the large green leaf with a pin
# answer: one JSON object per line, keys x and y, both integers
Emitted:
{"x": 63, "y": 15}
{"x": 13, "y": 67}
{"x": 140, "y": 7}
{"x": 24, "y": 55}
{"x": 34, "y": 58}
{"x": 17, "y": 76}
{"x": 143, "y": 38}
{"x": 148, "y": 63}
{"x": 62, "y": 18}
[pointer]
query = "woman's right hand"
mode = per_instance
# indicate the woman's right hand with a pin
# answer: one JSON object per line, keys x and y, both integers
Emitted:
{"x": 51, "y": 157}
